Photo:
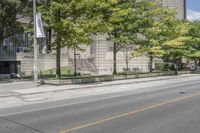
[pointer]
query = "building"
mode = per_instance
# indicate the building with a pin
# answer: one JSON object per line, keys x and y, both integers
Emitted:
{"x": 16, "y": 53}
{"x": 102, "y": 49}
{"x": 17, "y": 57}
{"x": 178, "y": 5}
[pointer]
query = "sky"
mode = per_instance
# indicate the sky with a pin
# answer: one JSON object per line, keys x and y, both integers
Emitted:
{"x": 193, "y": 9}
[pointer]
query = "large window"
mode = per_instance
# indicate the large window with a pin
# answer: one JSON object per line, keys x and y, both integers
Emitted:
{"x": 21, "y": 42}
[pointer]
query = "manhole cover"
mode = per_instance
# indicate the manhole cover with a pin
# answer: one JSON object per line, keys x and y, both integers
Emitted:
{"x": 182, "y": 92}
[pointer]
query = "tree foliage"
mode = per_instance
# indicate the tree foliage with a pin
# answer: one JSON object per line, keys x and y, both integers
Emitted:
{"x": 10, "y": 12}
{"x": 194, "y": 33}
{"x": 117, "y": 19}
{"x": 152, "y": 33}
{"x": 130, "y": 21}
{"x": 163, "y": 35}
{"x": 74, "y": 22}
{"x": 193, "y": 52}
{"x": 144, "y": 23}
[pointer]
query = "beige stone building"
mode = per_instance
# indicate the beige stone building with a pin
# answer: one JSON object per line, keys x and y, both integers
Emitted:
{"x": 100, "y": 54}
{"x": 97, "y": 58}
{"x": 178, "y": 5}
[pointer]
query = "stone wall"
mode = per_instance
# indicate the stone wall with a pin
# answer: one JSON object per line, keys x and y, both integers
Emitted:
{"x": 45, "y": 62}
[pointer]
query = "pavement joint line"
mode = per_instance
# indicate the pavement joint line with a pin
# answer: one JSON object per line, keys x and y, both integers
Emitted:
{"x": 126, "y": 114}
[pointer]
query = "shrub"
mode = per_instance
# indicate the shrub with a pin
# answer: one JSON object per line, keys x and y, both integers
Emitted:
{"x": 163, "y": 66}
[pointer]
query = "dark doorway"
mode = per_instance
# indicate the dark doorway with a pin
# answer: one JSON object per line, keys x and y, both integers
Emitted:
{"x": 4, "y": 68}
{"x": 8, "y": 67}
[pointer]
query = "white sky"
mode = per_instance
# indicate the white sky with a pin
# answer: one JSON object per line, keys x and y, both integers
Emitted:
{"x": 193, "y": 15}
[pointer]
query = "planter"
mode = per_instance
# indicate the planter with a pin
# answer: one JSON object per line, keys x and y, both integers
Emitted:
{"x": 94, "y": 79}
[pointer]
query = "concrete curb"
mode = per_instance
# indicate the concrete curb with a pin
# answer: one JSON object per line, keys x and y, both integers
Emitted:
{"x": 175, "y": 76}
{"x": 97, "y": 79}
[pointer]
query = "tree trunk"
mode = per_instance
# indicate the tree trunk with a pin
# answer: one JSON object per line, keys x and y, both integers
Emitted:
{"x": 58, "y": 67}
{"x": 1, "y": 38}
{"x": 127, "y": 59}
{"x": 127, "y": 68}
{"x": 150, "y": 64}
{"x": 58, "y": 49}
{"x": 195, "y": 62}
{"x": 75, "y": 72}
{"x": 175, "y": 66}
{"x": 115, "y": 59}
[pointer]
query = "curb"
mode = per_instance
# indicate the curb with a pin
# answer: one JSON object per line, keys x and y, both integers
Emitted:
{"x": 128, "y": 82}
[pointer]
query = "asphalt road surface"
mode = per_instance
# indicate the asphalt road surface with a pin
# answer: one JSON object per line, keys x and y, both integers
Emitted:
{"x": 174, "y": 109}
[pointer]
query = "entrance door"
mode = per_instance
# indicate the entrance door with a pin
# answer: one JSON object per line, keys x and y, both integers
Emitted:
{"x": 4, "y": 68}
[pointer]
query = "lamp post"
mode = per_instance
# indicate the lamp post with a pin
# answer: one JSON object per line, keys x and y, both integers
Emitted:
{"x": 35, "y": 73}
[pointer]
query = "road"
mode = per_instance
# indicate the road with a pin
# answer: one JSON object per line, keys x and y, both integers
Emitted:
{"x": 170, "y": 108}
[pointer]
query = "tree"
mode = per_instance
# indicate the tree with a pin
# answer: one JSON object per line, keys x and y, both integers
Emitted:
{"x": 126, "y": 54}
{"x": 177, "y": 46}
{"x": 115, "y": 18}
{"x": 156, "y": 31}
{"x": 127, "y": 19}
{"x": 10, "y": 12}
{"x": 73, "y": 23}
{"x": 194, "y": 43}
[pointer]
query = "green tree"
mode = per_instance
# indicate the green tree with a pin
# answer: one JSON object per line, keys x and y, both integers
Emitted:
{"x": 73, "y": 22}
{"x": 127, "y": 20}
{"x": 117, "y": 19}
{"x": 177, "y": 46}
{"x": 156, "y": 31}
{"x": 10, "y": 12}
{"x": 194, "y": 43}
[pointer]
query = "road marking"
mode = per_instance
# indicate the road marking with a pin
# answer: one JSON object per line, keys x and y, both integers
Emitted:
{"x": 126, "y": 114}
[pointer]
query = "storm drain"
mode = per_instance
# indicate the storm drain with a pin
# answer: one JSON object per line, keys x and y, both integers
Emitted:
{"x": 182, "y": 92}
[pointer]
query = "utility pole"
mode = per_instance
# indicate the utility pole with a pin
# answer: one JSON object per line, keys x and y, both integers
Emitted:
{"x": 35, "y": 71}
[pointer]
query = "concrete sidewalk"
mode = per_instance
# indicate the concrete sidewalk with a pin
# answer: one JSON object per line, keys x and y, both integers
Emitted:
{"x": 20, "y": 97}
{"x": 27, "y": 87}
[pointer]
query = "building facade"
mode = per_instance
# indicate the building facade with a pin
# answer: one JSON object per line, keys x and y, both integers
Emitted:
{"x": 178, "y": 5}
{"x": 17, "y": 57}
{"x": 103, "y": 55}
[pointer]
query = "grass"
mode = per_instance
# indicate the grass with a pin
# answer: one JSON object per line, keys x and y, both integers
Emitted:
{"x": 64, "y": 71}
{"x": 51, "y": 73}
{"x": 67, "y": 73}
{"x": 132, "y": 73}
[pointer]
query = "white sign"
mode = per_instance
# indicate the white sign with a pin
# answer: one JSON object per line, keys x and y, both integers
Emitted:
{"x": 39, "y": 26}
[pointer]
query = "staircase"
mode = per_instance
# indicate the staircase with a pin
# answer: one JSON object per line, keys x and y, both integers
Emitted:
{"x": 84, "y": 65}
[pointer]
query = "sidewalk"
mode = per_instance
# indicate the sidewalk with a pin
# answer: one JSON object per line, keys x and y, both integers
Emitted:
{"x": 27, "y": 87}
{"x": 19, "y": 95}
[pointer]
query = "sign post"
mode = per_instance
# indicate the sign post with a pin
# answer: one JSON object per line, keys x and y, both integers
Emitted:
{"x": 35, "y": 71}
{"x": 38, "y": 33}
